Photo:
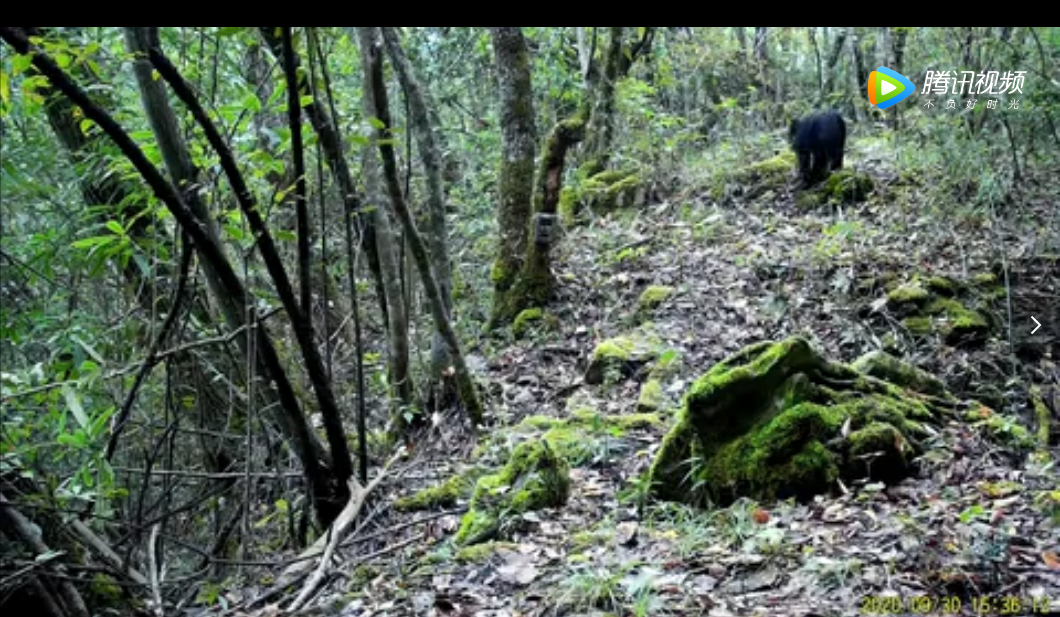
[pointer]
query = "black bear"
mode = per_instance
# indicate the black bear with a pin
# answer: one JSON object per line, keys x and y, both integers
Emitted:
{"x": 818, "y": 141}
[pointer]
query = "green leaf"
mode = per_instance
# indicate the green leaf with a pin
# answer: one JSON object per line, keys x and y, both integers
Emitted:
{"x": 116, "y": 227}
{"x": 305, "y": 100}
{"x": 376, "y": 123}
{"x": 73, "y": 403}
{"x": 93, "y": 242}
{"x": 5, "y": 88}
{"x": 235, "y": 232}
{"x": 252, "y": 102}
{"x": 67, "y": 439}
{"x": 48, "y": 556}
{"x": 286, "y": 236}
{"x": 20, "y": 63}
{"x": 230, "y": 31}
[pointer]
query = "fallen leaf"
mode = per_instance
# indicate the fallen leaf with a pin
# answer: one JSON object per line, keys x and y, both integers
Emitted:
{"x": 1051, "y": 560}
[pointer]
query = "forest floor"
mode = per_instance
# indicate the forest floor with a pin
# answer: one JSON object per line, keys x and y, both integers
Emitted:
{"x": 975, "y": 531}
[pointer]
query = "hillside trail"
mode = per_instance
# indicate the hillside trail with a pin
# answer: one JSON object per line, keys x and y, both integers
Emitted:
{"x": 975, "y": 531}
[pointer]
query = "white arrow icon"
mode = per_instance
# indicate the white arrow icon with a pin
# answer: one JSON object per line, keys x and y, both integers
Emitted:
{"x": 1036, "y": 326}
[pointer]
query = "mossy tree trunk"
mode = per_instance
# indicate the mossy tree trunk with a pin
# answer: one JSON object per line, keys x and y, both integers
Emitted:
{"x": 601, "y": 98}
{"x": 518, "y": 138}
{"x": 375, "y": 91}
{"x": 438, "y": 234}
{"x": 618, "y": 59}
{"x": 536, "y": 284}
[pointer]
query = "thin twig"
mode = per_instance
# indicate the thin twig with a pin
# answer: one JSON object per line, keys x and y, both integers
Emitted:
{"x": 358, "y": 495}
{"x": 156, "y": 593}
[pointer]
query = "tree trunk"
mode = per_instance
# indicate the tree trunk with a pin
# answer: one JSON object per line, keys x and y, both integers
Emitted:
{"x": 331, "y": 142}
{"x": 431, "y": 157}
{"x": 857, "y": 71}
{"x": 375, "y": 88}
{"x": 397, "y": 315}
{"x": 602, "y": 123}
{"x": 761, "y": 49}
{"x": 17, "y": 527}
{"x": 209, "y": 250}
{"x": 833, "y": 58}
{"x": 536, "y": 282}
{"x": 518, "y": 135}
{"x": 741, "y": 43}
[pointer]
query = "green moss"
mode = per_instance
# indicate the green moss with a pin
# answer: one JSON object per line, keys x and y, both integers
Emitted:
{"x": 618, "y": 348}
{"x": 581, "y": 437}
{"x": 653, "y": 296}
{"x": 809, "y": 200}
{"x": 569, "y": 206}
{"x": 525, "y": 319}
{"x": 539, "y": 421}
{"x": 984, "y": 279}
{"x": 667, "y": 365}
{"x": 908, "y": 293}
{"x": 443, "y": 495}
{"x": 960, "y": 322}
{"x": 651, "y": 397}
{"x": 591, "y": 418}
{"x": 920, "y": 326}
{"x": 613, "y": 176}
{"x": 609, "y": 190}
{"x": 477, "y": 553}
{"x": 623, "y": 353}
{"x": 884, "y": 366}
{"x": 534, "y": 478}
{"x": 848, "y": 186}
{"x": 103, "y": 592}
{"x": 498, "y": 273}
{"x": 1009, "y": 430}
{"x": 764, "y": 423}
{"x": 784, "y": 459}
{"x": 775, "y": 168}
{"x": 943, "y": 285}
{"x": 1042, "y": 415}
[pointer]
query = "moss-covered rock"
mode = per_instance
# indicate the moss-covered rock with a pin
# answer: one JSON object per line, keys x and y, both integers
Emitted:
{"x": 623, "y": 355}
{"x": 941, "y": 305}
{"x": 1042, "y": 416}
{"x": 532, "y": 319}
{"x": 908, "y": 294}
{"x": 445, "y": 494}
{"x": 653, "y": 296}
{"x": 957, "y": 322}
{"x": 652, "y": 397}
{"x": 766, "y": 423}
{"x": 610, "y": 190}
{"x": 1001, "y": 427}
{"x": 534, "y": 478}
{"x": 755, "y": 179}
{"x": 587, "y": 435}
{"x": 888, "y": 368}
